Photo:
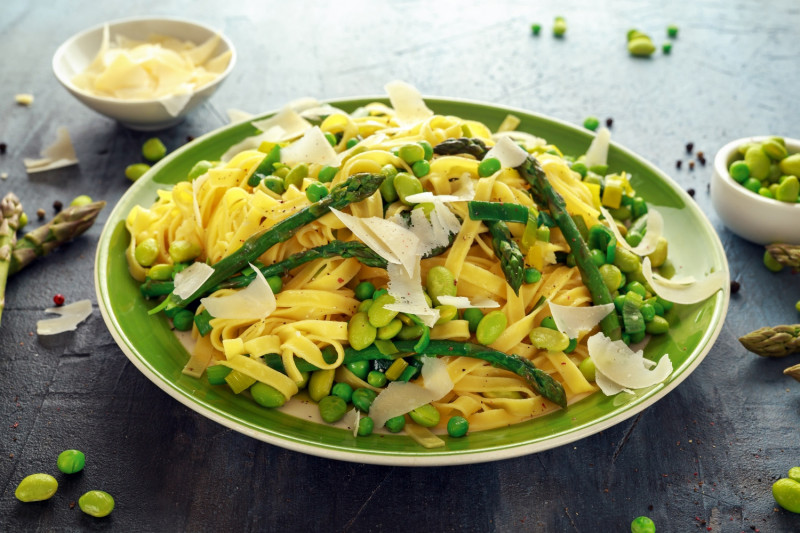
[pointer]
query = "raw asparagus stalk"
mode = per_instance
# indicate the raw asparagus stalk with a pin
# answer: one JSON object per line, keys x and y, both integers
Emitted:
{"x": 590, "y": 274}
{"x": 357, "y": 188}
{"x": 539, "y": 380}
{"x": 10, "y": 213}
{"x": 786, "y": 254}
{"x": 777, "y": 341}
{"x": 511, "y": 259}
{"x": 793, "y": 371}
{"x": 461, "y": 145}
{"x": 64, "y": 227}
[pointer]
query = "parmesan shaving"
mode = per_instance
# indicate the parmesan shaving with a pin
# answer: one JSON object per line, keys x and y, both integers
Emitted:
{"x": 70, "y": 316}
{"x": 408, "y": 294}
{"x": 407, "y": 102}
{"x": 597, "y": 154}
{"x": 655, "y": 228}
{"x": 356, "y": 420}
{"x": 285, "y": 125}
{"x": 462, "y": 302}
{"x": 59, "y": 154}
{"x": 624, "y": 367}
{"x": 256, "y": 301}
{"x": 609, "y": 387}
{"x": 237, "y": 115}
{"x": 687, "y": 290}
{"x": 312, "y": 147}
{"x": 530, "y": 141}
{"x": 400, "y": 397}
{"x": 191, "y": 278}
{"x": 509, "y": 153}
{"x": 573, "y": 321}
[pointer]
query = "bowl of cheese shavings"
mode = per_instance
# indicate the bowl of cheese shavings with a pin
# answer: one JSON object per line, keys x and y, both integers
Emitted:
{"x": 147, "y": 73}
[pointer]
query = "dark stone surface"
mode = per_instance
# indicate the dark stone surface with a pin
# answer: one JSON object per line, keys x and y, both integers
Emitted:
{"x": 702, "y": 458}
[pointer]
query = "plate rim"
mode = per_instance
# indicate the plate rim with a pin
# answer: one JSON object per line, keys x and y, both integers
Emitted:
{"x": 404, "y": 458}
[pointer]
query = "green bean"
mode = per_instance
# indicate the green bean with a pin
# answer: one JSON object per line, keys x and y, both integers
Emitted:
{"x": 473, "y": 316}
{"x": 332, "y": 409}
{"x": 275, "y": 284}
{"x": 266, "y": 395}
{"x": 296, "y": 176}
{"x": 440, "y": 282}
{"x": 491, "y": 327}
{"x": 71, "y": 461}
{"x": 360, "y": 332}
{"x": 36, "y": 488}
{"x": 136, "y": 171}
{"x": 425, "y": 415}
{"x": 457, "y": 426}
{"x": 321, "y": 383}
{"x": 362, "y": 399}
{"x": 153, "y": 149}
{"x": 182, "y": 251}
{"x": 365, "y": 426}
{"x": 488, "y": 166}
{"x": 406, "y": 185}
{"x": 377, "y": 315}
{"x": 396, "y": 424}
{"x": 96, "y": 503}
{"x": 146, "y": 252}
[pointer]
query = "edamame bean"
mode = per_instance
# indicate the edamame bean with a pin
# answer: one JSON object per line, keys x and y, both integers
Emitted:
{"x": 548, "y": 339}
{"x": 396, "y": 424}
{"x": 786, "y": 492}
{"x": 446, "y": 313}
{"x": 473, "y": 316}
{"x": 364, "y": 290}
{"x": 360, "y": 333}
{"x": 364, "y": 306}
{"x": 320, "y": 383}
{"x": 641, "y": 46}
{"x": 411, "y": 153}
{"x": 491, "y": 327}
{"x": 146, "y": 252}
{"x": 266, "y": 395}
{"x": 790, "y": 165}
{"x": 274, "y": 183}
{"x": 36, "y": 488}
{"x": 425, "y": 415}
{"x": 588, "y": 369}
{"x": 757, "y": 161}
{"x": 794, "y": 473}
{"x": 183, "y": 320}
{"x": 580, "y": 168}
{"x": 153, "y": 149}
{"x": 343, "y": 391}
{"x": 365, "y": 426}
{"x": 488, "y": 166}
{"x": 612, "y": 276}
{"x": 626, "y": 260}
{"x": 390, "y": 330}
{"x": 305, "y": 376}
{"x": 440, "y": 282}
{"x": 362, "y": 399}
{"x": 659, "y": 255}
{"x": 83, "y": 199}
{"x": 327, "y": 173}
{"x": 406, "y": 185}
{"x": 96, "y": 503}
{"x": 377, "y": 314}
{"x": 771, "y": 263}
{"x": 657, "y": 326}
{"x": 332, "y": 409}
{"x": 182, "y": 251}
{"x": 387, "y": 189}
{"x": 136, "y": 171}
{"x": 559, "y": 27}
{"x": 199, "y": 168}
{"x": 788, "y": 190}
{"x": 331, "y": 138}
{"x": 315, "y": 192}
{"x": 408, "y": 333}
{"x": 457, "y": 426}
{"x": 775, "y": 150}
{"x": 71, "y": 461}
{"x": 296, "y": 176}
{"x": 643, "y": 524}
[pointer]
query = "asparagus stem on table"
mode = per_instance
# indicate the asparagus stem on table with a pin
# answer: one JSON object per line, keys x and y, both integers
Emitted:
{"x": 786, "y": 254}
{"x": 508, "y": 253}
{"x": 777, "y": 341}
{"x": 539, "y": 380}
{"x": 10, "y": 213}
{"x": 355, "y": 189}
{"x": 64, "y": 227}
{"x": 547, "y": 196}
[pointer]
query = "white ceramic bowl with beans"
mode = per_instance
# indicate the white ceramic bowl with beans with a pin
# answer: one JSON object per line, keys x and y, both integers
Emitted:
{"x": 749, "y": 215}
{"x": 78, "y": 51}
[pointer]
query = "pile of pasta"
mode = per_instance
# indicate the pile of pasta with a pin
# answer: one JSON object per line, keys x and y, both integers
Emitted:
{"x": 220, "y": 210}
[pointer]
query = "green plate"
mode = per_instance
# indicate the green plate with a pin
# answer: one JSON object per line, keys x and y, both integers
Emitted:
{"x": 154, "y": 349}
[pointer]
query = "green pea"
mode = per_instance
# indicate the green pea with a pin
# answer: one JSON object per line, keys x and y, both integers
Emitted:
{"x": 457, "y": 426}
{"x": 266, "y": 395}
{"x": 343, "y": 391}
{"x": 360, "y": 333}
{"x": 626, "y": 260}
{"x": 757, "y": 161}
{"x": 648, "y": 312}
{"x": 146, "y": 252}
{"x": 766, "y": 193}
{"x": 376, "y": 378}
{"x": 488, "y": 166}
{"x": 327, "y": 173}
{"x": 96, "y": 503}
{"x": 359, "y": 368}
{"x": 598, "y": 257}
{"x": 136, "y": 171}
{"x": 672, "y": 30}
{"x": 378, "y": 316}
{"x": 641, "y": 46}
{"x": 491, "y": 327}
{"x": 634, "y": 238}
{"x": 425, "y": 415}
{"x": 396, "y": 424}
{"x": 666, "y": 48}
{"x": 364, "y": 290}
{"x": 440, "y": 282}
{"x": 536, "y": 28}
{"x": 182, "y": 251}
{"x": 588, "y": 369}
{"x": 580, "y": 168}
{"x": 591, "y": 123}
{"x": 183, "y": 320}
{"x": 365, "y": 426}
{"x": 296, "y": 176}
{"x": 548, "y": 322}
{"x": 411, "y": 153}
{"x": 611, "y": 275}
{"x": 559, "y": 27}
{"x": 657, "y": 326}
{"x": 71, "y": 461}
{"x": 332, "y": 409}
{"x": 790, "y": 165}
{"x": 36, "y": 488}
{"x": 421, "y": 168}
{"x": 786, "y": 492}
{"x": 275, "y": 284}
{"x": 390, "y": 330}
{"x": 199, "y": 168}
{"x": 638, "y": 288}
{"x": 532, "y": 275}
{"x": 473, "y": 316}
{"x": 351, "y": 142}
{"x": 316, "y": 192}
{"x": 752, "y": 184}
{"x": 320, "y": 383}
{"x": 548, "y": 339}
{"x": 275, "y": 184}
{"x": 406, "y": 185}
{"x": 642, "y": 524}
{"x": 362, "y": 399}
{"x": 788, "y": 190}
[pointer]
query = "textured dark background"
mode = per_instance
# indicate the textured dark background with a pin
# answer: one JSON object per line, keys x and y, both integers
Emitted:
{"x": 703, "y": 458}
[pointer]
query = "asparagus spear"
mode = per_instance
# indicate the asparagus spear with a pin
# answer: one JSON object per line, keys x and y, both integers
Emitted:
{"x": 539, "y": 380}
{"x": 546, "y": 195}
{"x": 777, "y": 341}
{"x": 357, "y": 188}
{"x": 511, "y": 259}
{"x": 64, "y": 227}
{"x": 10, "y": 213}
{"x": 786, "y": 254}
{"x": 461, "y": 145}
{"x": 793, "y": 371}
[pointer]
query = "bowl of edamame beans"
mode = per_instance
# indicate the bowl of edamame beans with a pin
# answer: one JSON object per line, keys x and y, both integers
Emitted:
{"x": 147, "y": 73}
{"x": 755, "y": 188}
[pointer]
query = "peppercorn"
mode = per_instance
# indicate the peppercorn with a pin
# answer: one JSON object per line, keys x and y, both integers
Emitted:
{"x": 689, "y": 147}
{"x": 691, "y": 192}
{"x": 609, "y": 122}
{"x": 735, "y": 286}
{"x": 40, "y": 213}
{"x": 57, "y": 206}
{"x": 3, "y": 148}
{"x": 678, "y": 164}
{"x": 691, "y": 165}
{"x": 58, "y": 299}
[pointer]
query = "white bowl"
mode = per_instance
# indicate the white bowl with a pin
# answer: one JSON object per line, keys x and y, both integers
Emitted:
{"x": 78, "y": 51}
{"x": 751, "y": 216}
